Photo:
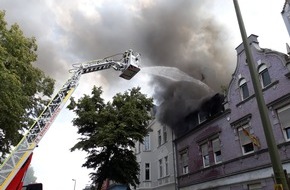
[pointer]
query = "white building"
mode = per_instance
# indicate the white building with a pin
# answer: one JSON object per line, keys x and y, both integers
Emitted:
{"x": 156, "y": 159}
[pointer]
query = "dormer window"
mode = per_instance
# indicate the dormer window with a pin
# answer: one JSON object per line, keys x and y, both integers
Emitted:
{"x": 202, "y": 116}
{"x": 264, "y": 75}
{"x": 244, "y": 91}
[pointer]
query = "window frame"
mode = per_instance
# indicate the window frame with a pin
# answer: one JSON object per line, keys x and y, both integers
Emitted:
{"x": 184, "y": 161}
{"x": 165, "y": 134}
{"x": 208, "y": 150}
{"x": 215, "y": 151}
{"x": 159, "y": 137}
{"x": 140, "y": 169}
{"x": 244, "y": 145}
{"x": 255, "y": 186}
{"x": 286, "y": 132}
{"x": 146, "y": 143}
{"x": 202, "y": 117}
{"x": 285, "y": 129}
{"x": 166, "y": 163}
{"x": 138, "y": 147}
{"x": 205, "y": 154}
{"x": 160, "y": 162}
{"x": 147, "y": 169}
{"x": 244, "y": 90}
{"x": 264, "y": 75}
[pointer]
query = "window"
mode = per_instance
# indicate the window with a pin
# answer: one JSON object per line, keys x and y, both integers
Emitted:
{"x": 245, "y": 140}
{"x": 159, "y": 138}
{"x": 147, "y": 143}
{"x": 160, "y": 168}
{"x": 184, "y": 162}
{"x": 138, "y": 147}
{"x": 287, "y": 132}
{"x": 264, "y": 75}
{"x": 205, "y": 155}
{"x": 244, "y": 91}
{"x": 202, "y": 116}
{"x": 283, "y": 114}
{"x": 166, "y": 165}
{"x": 164, "y": 134}
{"x": 255, "y": 186}
{"x": 147, "y": 171}
{"x": 213, "y": 156}
{"x": 139, "y": 176}
{"x": 216, "y": 150}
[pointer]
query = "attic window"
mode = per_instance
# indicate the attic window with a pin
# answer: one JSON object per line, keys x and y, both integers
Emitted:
{"x": 264, "y": 75}
{"x": 244, "y": 91}
{"x": 202, "y": 116}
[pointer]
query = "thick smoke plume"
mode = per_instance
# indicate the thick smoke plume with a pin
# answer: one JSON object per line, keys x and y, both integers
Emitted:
{"x": 171, "y": 33}
{"x": 179, "y": 99}
{"x": 185, "y": 37}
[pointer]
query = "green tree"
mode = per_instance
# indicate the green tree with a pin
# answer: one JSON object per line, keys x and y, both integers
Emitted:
{"x": 109, "y": 131}
{"x": 24, "y": 88}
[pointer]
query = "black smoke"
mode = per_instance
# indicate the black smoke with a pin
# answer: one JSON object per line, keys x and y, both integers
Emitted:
{"x": 182, "y": 34}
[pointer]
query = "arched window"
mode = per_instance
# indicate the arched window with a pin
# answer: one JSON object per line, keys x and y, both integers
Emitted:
{"x": 244, "y": 91}
{"x": 264, "y": 75}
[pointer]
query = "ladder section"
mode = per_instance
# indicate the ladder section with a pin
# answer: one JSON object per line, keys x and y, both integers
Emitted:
{"x": 12, "y": 164}
{"x": 22, "y": 151}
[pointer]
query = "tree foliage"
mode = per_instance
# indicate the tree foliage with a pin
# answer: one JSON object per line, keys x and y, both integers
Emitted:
{"x": 24, "y": 88}
{"x": 109, "y": 131}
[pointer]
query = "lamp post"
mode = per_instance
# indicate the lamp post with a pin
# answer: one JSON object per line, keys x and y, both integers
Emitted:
{"x": 280, "y": 178}
{"x": 75, "y": 183}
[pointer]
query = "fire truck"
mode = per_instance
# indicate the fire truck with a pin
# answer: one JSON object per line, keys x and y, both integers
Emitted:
{"x": 14, "y": 167}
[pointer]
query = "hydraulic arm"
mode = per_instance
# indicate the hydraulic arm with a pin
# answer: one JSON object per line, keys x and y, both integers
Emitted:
{"x": 128, "y": 65}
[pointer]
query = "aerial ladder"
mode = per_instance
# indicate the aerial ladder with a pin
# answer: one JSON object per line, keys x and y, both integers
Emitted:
{"x": 15, "y": 165}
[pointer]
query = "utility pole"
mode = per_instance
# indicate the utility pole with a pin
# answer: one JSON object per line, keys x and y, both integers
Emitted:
{"x": 280, "y": 177}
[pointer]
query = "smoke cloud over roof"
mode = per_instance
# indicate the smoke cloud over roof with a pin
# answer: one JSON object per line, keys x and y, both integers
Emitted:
{"x": 180, "y": 34}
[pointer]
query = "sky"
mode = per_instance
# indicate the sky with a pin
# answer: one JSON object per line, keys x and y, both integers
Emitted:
{"x": 197, "y": 37}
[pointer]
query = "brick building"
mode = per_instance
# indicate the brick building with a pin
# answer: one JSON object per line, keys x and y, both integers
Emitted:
{"x": 228, "y": 150}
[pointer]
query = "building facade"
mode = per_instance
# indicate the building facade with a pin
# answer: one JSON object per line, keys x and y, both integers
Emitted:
{"x": 156, "y": 159}
{"x": 228, "y": 150}
{"x": 286, "y": 15}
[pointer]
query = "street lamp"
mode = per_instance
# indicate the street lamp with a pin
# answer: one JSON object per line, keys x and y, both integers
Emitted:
{"x": 75, "y": 183}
